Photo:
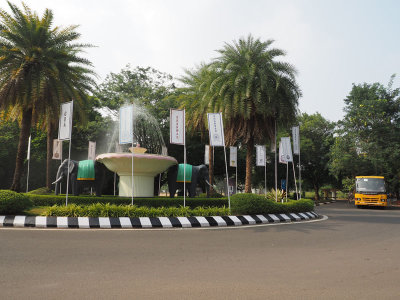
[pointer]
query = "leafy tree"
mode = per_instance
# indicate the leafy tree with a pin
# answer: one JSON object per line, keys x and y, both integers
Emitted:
{"x": 368, "y": 136}
{"x": 316, "y": 140}
{"x": 39, "y": 69}
{"x": 252, "y": 89}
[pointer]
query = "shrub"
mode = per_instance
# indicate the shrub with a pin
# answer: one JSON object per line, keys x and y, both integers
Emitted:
{"x": 12, "y": 203}
{"x": 112, "y": 210}
{"x": 50, "y": 200}
{"x": 251, "y": 204}
{"x": 41, "y": 191}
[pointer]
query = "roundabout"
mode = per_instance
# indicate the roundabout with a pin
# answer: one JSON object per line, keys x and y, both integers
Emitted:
{"x": 152, "y": 222}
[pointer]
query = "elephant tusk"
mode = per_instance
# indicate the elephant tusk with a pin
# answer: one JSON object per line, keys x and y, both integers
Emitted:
{"x": 213, "y": 186}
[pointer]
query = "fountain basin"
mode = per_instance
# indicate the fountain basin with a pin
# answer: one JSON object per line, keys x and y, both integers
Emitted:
{"x": 145, "y": 168}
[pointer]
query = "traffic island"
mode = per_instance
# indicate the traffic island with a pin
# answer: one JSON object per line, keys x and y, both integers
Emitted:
{"x": 152, "y": 222}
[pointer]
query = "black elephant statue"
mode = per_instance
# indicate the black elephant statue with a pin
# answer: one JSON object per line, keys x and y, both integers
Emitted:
{"x": 197, "y": 176}
{"x": 81, "y": 174}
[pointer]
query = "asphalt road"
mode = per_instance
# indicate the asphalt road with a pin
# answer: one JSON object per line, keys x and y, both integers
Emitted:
{"x": 355, "y": 254}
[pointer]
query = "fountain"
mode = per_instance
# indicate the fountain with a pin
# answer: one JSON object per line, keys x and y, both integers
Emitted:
{"x": 145, "y": 165}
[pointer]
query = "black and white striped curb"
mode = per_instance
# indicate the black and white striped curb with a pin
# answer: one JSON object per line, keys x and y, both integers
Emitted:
{"x": 326, "y": 202}
{"x": 149, "y": 222}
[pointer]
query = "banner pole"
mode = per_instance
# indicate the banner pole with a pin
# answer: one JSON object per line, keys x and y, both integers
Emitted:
{"x": 276, "y": 170}
{"x": 287, "y": 178}
{"x": 295, "y": 183}
{"x": 115, "y": 178}
{"x": 184, "y": 158}
{"x": 69, "y": 161}
{"x": 227, "y": 178}
{"x": 265, "y": 173}
{"x": 132, "y": 157}
{"x": 184, "y": 175}
{"x": 61, "y": 164}
{"x": 29, "y": 160}
{"x": 69, "y": 151}
{"x": 236, "y": 177}
{"x": 299, "y": 169}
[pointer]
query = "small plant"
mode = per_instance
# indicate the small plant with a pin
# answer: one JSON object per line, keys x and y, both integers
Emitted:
{"x": 271, "y": 195}
{"x": 12, "y": 203}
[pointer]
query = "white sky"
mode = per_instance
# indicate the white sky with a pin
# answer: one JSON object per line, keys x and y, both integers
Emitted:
{"x": 332, "y": 43}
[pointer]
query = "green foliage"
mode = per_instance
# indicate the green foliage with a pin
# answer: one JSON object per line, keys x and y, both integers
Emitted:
{"x": 214, "y": 194}
{"x": 41, "y": 191}
{"x": 49, "y": 200}
{"x": 316, "y": 141}
{"x": 257, "y": 204}
{"x": 272, "y": 197}
{"x": 368, "y": 136}
{"x": 12, "y": 203}
{"x": 112, "y": 210}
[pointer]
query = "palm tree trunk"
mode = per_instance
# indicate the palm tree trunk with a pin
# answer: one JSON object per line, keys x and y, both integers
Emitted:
{"x": 50, "y": 130}
{"x": 22, "y": 148}
{"x": 211, "y": 168}
{"x": 249, "y": 165}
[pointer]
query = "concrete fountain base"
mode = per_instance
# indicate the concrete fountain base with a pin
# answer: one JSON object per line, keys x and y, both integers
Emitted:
{"x": 145, "y": 168}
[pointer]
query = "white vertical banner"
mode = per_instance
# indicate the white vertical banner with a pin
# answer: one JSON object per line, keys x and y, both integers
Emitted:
{"x": 65, "y": 132}
{"x": 177, "y": 126}
{"x": 296, "y": 139}
{"x": 28, "y": 155}
{"x": 217, "y": 139}
{"x": 65, "y": 122}
{"x": 92, "y": 151}
{"x": 260, "y": 157}
{"x": 206, "y": 154}
{"x": 126, "y": 124}
{"x": 57, "y": 149}
{"x": 216, "y": 129}
{"x": 233, "y": 156}
{"x": 178, "y": 136}
{"x": 285, "y": 150}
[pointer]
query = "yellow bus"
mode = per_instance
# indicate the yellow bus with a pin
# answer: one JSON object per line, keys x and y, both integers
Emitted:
{"x": 370, "y": 190}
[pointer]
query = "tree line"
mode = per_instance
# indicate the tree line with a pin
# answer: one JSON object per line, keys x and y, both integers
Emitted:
{"x": 257, "y": 92}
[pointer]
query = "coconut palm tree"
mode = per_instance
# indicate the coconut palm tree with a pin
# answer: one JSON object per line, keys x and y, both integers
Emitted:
{"x": 40, "y": 68}
{"x": 252, "y": 90}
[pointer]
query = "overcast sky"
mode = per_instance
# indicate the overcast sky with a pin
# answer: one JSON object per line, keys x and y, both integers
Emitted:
{"x": 331, "y": 43}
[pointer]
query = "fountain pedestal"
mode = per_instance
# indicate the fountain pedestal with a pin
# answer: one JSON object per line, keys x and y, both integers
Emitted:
{"x": 145, "y": 168}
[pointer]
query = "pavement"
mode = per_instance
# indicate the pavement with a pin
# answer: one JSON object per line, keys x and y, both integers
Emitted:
{"x": 351, "y": 255}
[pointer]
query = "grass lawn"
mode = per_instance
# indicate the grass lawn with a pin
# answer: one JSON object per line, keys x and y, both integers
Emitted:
{"x": 36, "y": 210}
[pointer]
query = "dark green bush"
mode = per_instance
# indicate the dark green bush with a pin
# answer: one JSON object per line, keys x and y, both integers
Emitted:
{"x": 12, "y": 203}
{"x": 250, "y": 204}
{"x": 112, "y": 210}
{"x": 212, "y": 195}
{"x": 50, "y": 200}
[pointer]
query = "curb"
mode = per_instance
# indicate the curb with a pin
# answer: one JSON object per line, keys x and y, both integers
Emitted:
{"x": 151, "y": 222}
{"x": 327, "y": 202}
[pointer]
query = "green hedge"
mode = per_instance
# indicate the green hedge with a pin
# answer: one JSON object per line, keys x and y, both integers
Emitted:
{"x": 112, "y": 210}
{"x": 12, "y": 203}
{"x": 243, "y": 204}
{"x": 50, "y": 200}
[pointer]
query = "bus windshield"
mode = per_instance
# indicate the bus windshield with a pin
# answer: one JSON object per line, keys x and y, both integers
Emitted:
{"x": 370, "y": 185}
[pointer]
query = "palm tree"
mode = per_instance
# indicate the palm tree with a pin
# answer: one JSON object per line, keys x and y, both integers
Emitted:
{"x": 40, "y": 68}
{"x": 252, "y": 90}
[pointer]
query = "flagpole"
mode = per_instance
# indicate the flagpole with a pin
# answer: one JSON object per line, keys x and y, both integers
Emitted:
{"x": 299, "y": 170}
{"x": 287, "y": 177}
{"x": 184, "y": 158}
{"x": 133, "y": 150}
{"x": 60, "y": 163}
{"x": 29, "y": 161}
{"x": 227, "y": 178}
{"x": 69, "y": 151}
{"x": 236, "y": 177}
{"x": 276, "y": 170}
{"x": 295, "y": 183}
